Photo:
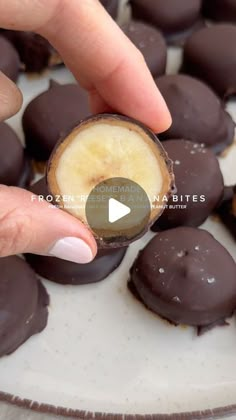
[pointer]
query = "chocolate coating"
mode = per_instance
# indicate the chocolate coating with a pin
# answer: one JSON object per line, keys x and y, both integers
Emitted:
{"x": 176, "y": 19}
{"x": 66, "y": 272}
{"x": 27, "y": 174}
{"x": 151, "y": 44}
{"x": 196, "y": 111}
{"x": 111, "y": 7}
{"x": 52, "y": 114}
{"x": 35, "y": 52}
{"x": 210, "y": 54}
{"x": 40, "y": 188}
{"x": 21, "y": 314}
{"x": 227, "y": 210}
{"x": 197, "y": 173}
{"x": 181, "y": 275}
{"x": 9, "y": 59}
{"x": 220, "y": 10}
{"x": 15, "y": 169}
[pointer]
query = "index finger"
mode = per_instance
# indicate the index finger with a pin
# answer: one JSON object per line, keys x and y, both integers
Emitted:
{"x": 97, "y": 52}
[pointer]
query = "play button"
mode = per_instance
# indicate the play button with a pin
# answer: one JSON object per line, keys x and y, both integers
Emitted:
{"x": 117, "y": 210}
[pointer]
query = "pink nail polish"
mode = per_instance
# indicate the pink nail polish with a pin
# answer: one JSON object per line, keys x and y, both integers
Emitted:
{"x": 72, "y": 249}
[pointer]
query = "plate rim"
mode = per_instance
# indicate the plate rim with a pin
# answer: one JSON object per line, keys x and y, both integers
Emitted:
{"x": 215, "y": 413}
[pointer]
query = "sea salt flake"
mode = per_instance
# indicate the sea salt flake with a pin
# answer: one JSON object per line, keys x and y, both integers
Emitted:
{"x": 176, "y": 299}
{"x": 142, "y": 44}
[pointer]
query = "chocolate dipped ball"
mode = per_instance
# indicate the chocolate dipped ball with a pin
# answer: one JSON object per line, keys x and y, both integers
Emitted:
{"x": 27, "y": 174}
{"x": 220, "y": 10}
{"x": 66, "y": 272}
{"x": 15, "y": 169}
{"x": 151, "y": 44}
{"x": 187, "y": 277}
{"x": 199, "y": 183}
{"x": 91, "y": 164}
{"x": 176, "y": 19}
{"x": 9, "y": 59}
{"x": 197, "y": 113}
{"x": 227, "y": 210}
{"x": 210, "y": 54}
{"x": 23, "y": 304}
{"x": 52, "y": 114}
{"x": 111, "y": 7}
{"x": 36, "y": 54}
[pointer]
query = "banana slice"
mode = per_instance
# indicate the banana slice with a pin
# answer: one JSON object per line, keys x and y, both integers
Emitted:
{"x": 109, "y": 146}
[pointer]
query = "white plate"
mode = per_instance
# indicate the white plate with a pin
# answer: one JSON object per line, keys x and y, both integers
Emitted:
{"x": 104, "y": 352}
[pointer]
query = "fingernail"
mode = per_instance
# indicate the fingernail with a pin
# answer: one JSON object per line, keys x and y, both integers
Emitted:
{"x": 72, "y": 249}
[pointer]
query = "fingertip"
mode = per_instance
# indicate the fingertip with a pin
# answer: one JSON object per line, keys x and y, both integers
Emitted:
{"x": 163, "y": 119}
{"x": 18, "y": 101}
{"x": 10, "y": 97}
{"x": 92, "y": 243}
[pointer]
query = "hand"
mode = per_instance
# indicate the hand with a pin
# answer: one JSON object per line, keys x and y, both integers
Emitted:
{"x": 114, "y": 73}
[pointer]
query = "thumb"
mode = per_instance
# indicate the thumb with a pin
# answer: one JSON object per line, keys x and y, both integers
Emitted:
{"x": 10, "y": 98}
{"x": 29, "y": 225}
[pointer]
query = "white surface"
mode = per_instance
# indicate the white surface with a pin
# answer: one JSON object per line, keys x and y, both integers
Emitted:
{"x": 103, "y": 351}
{"x": 117, "y": 210}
